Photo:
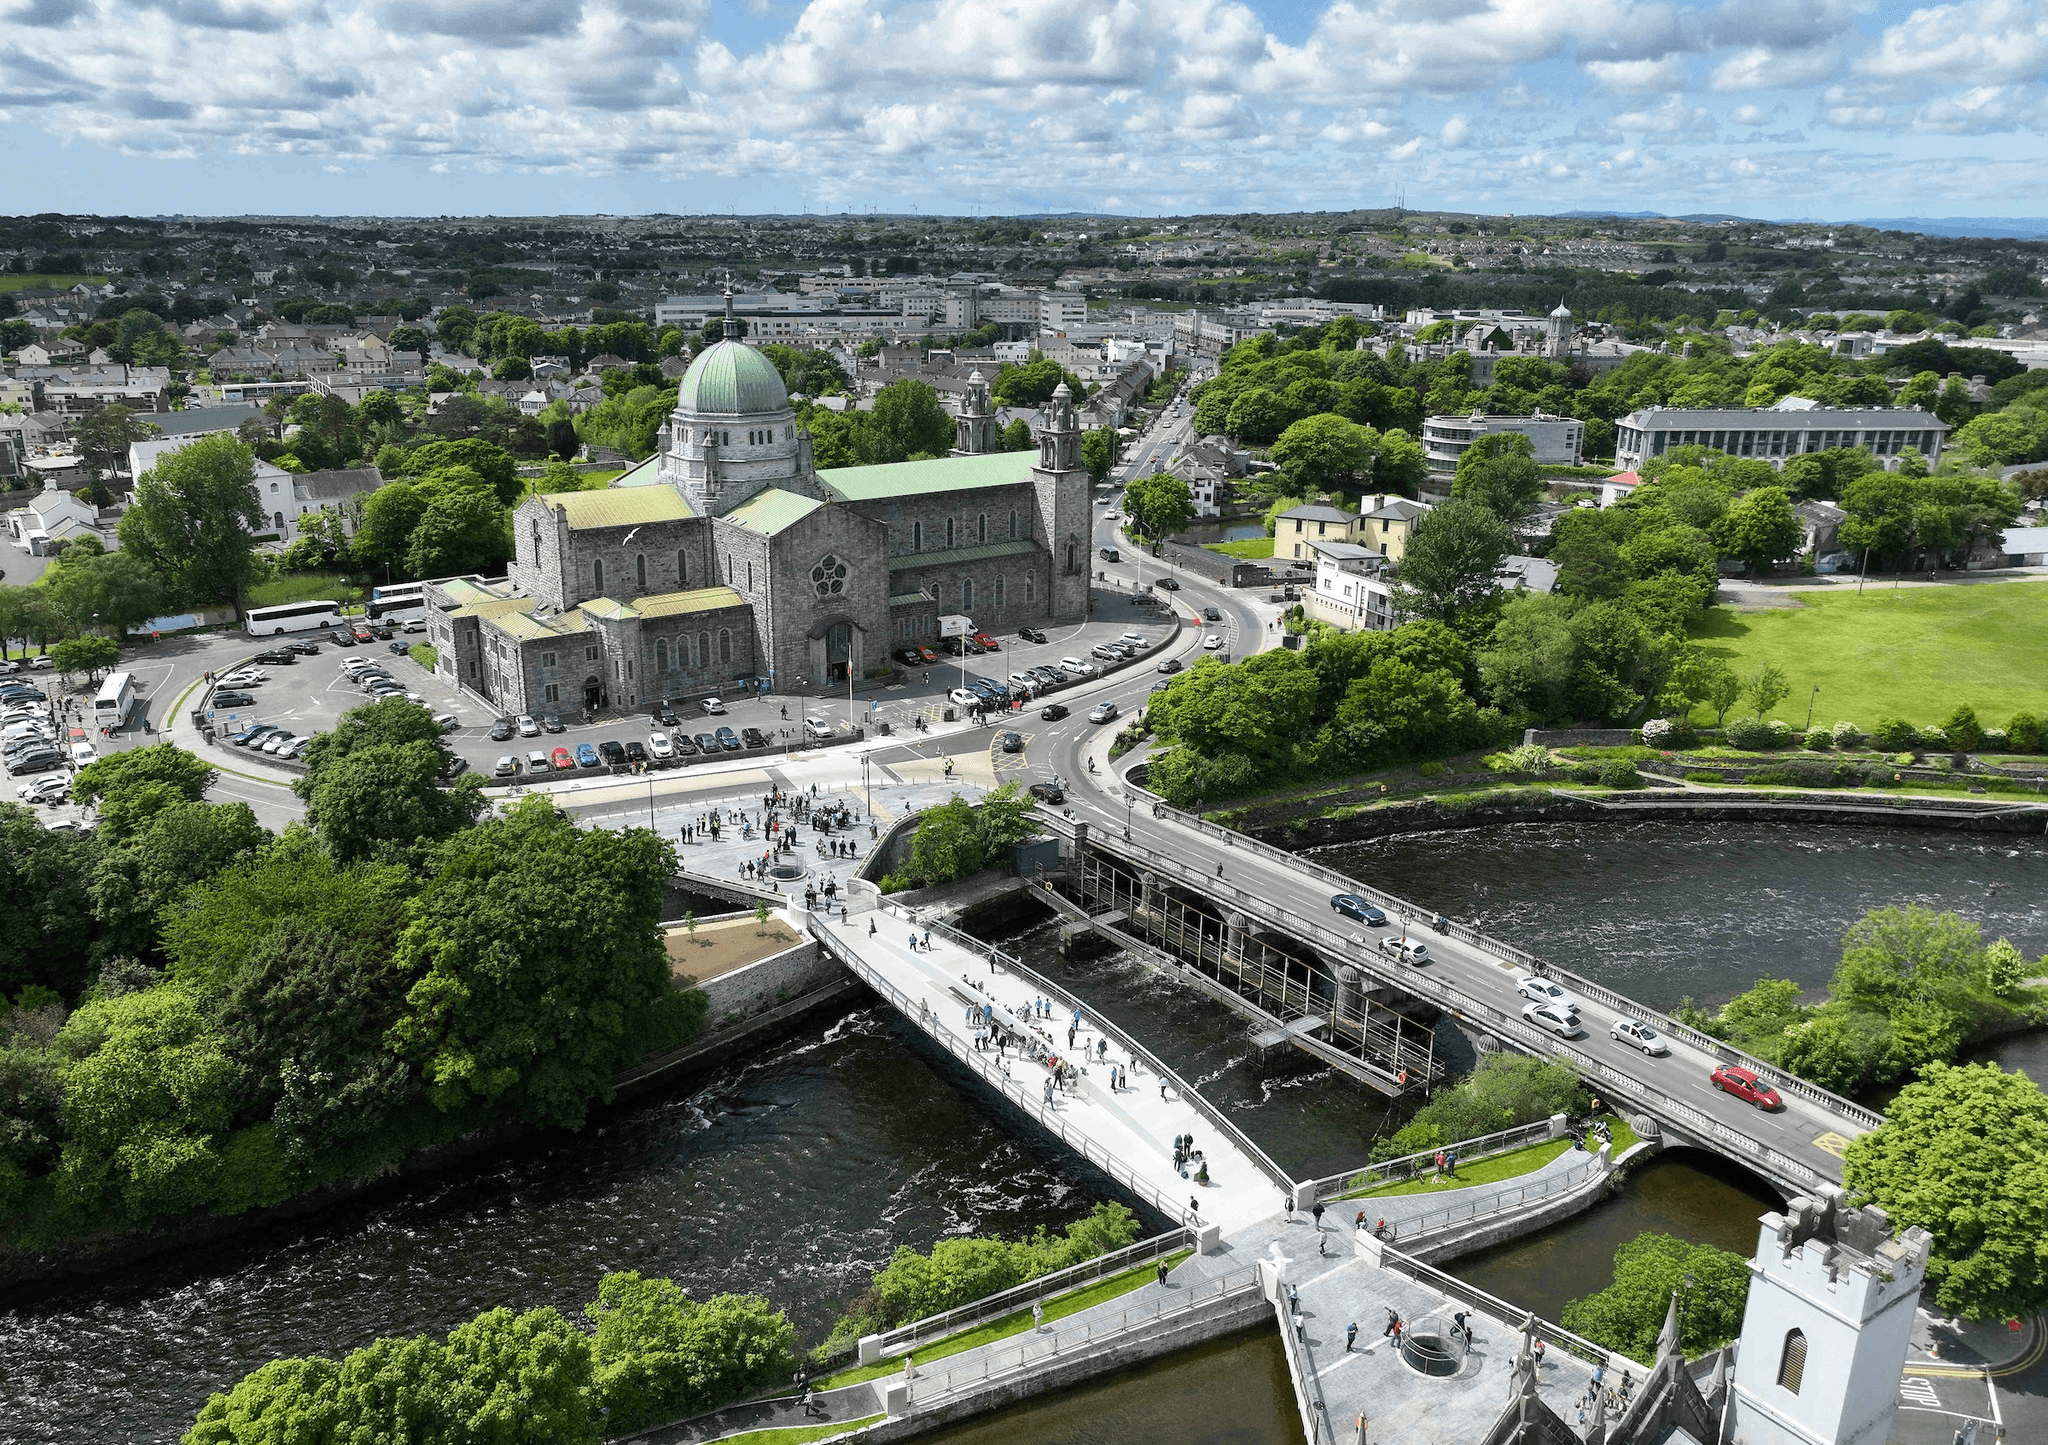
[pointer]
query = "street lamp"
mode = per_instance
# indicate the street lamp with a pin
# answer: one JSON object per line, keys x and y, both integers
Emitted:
{"x": 1809, "y": 706}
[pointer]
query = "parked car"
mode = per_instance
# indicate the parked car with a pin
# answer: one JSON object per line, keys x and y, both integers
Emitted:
{"x": 728, "y": 739}
{"x": 754, "y": 737}
{"x": 963, "y": 697}
{"x": 233, "y": 699}
{"x": 910, "y": 657}
{"x": 508, "y": 767}
{"x": 255, "y": 734}
{"x": 501, "y": 729}
{"x": 1047, "y": 793}
{"x": 1171, "y": 665}
{"x": 1352, "y": 906}
{"x": 551, "y": 722}
{"x": 277, "y": 741}
{"x": 41, "y": 662}
{"x": 305, "y": 649}
{"x": 636, "y": 751}
{"x": 1550, "y": 1017}
{"x": 1103, "y": 712}
{"x": 35, "y": 760}
{"x": 1538, "y": 989}
{"x": 1107, "y": 651}
{"x": 342, "y": 639}
{"x": 1053, "y": 711}
{"x": 454, "y": 766}
{"x": 817, "y": 729}
{"x": 1079, "y": 668}
{"x": 586, "y": 756}
{"x": 44, "y": 790}
{"x": 1637, "y": 1034}
{"x": 611, "y": 752}
{"x": 713, "y": 707}
{"x": 1407, "y": 950}
{"x": 1011, "y": 742}
{"x": 447, "y": 722}
{"x": 276, "y": 657}
{"x": 1745, "y": 1085}
{"x": 561, "y": 760}
{"x": 926, "y": 654}
{"x": 1031, "y": 634}
{"x": 664, "y": 714}
{"x": 537, "y": 762}
{"x": 662, "y": 750}
{"x": 397, "y": 646}
{"x": 987, "y": 641}
{"x": 707, "y": 743}
{"x": 529, "y": 727}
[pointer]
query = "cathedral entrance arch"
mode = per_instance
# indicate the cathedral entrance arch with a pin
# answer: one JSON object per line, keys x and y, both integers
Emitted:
{"x": 835, "y": 650}
{"x": 838, "y": 650}
{"x": 593, "y": 693}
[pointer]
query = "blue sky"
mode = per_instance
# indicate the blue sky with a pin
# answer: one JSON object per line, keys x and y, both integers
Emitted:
{"x": 1824, "y": 108}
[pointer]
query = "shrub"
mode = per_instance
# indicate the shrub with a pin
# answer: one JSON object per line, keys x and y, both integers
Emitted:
{"x": 1902, "y": 760}
{"x": 1662, "y": 732}
{"x": 1703, "y": 775}
{"x": 1894, "y": 734}
{"x": 1621, "y": 774}
{"x": 1996, "y": 741}
{"x": 1530, "y": 758}
{"x": 1848, "y": 735}
{"x": 1962, "y": 730}
{"x": 1935, "y": 739}
{"x": 1749, "y": 734}
{"x": 2026, "y": 733}
{"x": 1588, "y": 773}
{"x": 1771, "y": 778}
{"x": 1431, "y": 770}
{"x": 1781, "y": 733}
{"x": 1820, "y": 740}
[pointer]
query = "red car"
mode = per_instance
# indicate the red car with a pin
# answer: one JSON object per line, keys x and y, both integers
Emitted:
{"x": 563, "y": 761}
{"x": 929, "y": 655}
{"x": 1746, "y": 1086}
{"x": 986, "y": 641}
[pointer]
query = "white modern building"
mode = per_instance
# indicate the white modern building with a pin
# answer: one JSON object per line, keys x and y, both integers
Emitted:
{"x": 1773, "y": 433}
{"x": 1558, "y": 440}
{"x": 1352, "y": 591}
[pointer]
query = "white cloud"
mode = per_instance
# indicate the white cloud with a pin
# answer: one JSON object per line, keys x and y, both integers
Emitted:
{"x": 1630, "y": 76}
{"x": 1978, "y": 41}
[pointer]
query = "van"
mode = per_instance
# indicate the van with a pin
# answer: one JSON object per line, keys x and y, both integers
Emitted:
{"x": 1110, "y": 554}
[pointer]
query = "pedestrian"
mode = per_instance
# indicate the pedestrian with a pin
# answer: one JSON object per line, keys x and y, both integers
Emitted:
{"x": 1322, "y": 1244}
{"x": 1294, "y": 1298}
{"x": 1070, "y": 1038}
{"x": 1048, "y": 1093}
{"x": 1439, "y": 1163}
{"x": 913, "y": 940}
{"x": 1318, "y": 1213}
{"x": 1194, "y": 1205}
{"x": 1451, "y": 1162}
{"x": 1358, "y": 1224}
{"x": 871, "y": 928}
{"x": 1397, "y": 1330}
{"x": 1162, "y": 1091}
{"x": 927, "y": 936}
{"x": 1393, "y": 1323}
{"x": 1162, "y": 1274}
{"x": 1539, "y": 1352}
{"x": 1458, "y": 1323}
{"x": 1037, "y": 1316}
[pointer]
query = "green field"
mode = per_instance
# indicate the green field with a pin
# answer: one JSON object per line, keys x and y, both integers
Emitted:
{"x": 1249, "y": 550}
{"x": 1913, "y": 653}
{"x": 302, "y": 587}
{"x": 799, "y": 1434}
{"x": 11, "y": 282}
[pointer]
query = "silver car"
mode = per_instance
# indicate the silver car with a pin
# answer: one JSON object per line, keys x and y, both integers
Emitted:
{"x": 1637, "y": 1034}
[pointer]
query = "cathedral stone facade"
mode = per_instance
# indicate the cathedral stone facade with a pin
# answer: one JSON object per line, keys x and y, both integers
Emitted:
{"x": 728, "y": 558}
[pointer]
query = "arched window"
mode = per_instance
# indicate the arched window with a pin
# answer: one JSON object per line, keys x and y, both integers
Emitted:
{"x": 682, "y": 570}
{"x": 1792, "y": 1361}
{"x": 725, "y": 644}
{"x": 981, "y": 529}
{"x": 661, "y": 654}
{"x": 536, "y": 539}
{"x": 1030, "y": 586}
{"x": 597, "y": 576}
{"x": 1013, "y": 526}
{"x": 703, "y": 657}
{"x": 917, "y": 536}
{"x": 949, "y": 534}
{"x": 278, "y": 517}
{"x": 640, "y": 572}
{"x": 966, "y": 594}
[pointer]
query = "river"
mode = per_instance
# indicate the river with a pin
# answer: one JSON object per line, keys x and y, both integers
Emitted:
{"x": 798, "y": 1171}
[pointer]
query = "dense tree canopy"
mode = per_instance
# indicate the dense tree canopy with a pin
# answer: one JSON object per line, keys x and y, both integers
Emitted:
{"x": 194, "y": 518}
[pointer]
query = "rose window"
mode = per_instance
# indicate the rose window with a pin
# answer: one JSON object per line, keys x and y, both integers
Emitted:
{"x": 829, "y": 576}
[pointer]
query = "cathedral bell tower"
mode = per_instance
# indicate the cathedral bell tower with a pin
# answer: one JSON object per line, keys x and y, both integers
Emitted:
{"x": 976, "y": 424}
{"x": 1059, "y": 438}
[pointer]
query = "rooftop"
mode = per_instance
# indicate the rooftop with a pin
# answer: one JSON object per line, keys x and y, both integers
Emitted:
{"x": 904, "y": 561}
{"x": 678, "y": 604}
{"x": 619, "y": 506}
{"x": 943, "y": 474}
{"x": 771, "y": 511}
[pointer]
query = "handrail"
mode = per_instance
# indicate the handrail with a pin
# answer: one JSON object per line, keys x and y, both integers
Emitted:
{"x": 1450, "y": 1285}
{"x": 1789, "y": 1083}
{"x": 1137, "y": 1050}
{"x": 1044, "y": 1286}
{"x": 1462, "y": 1004}
{"x": 1510, "y": 1198}
{"x": 930, "y": 1385}
{"x": 1498, "y": 1142}
{"x": 1087, "y": 1148}
{"x": 1308, "y": 1386}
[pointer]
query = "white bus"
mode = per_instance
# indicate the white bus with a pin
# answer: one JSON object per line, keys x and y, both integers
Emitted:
{"x": 292, "y": 617}
{"x": 116, "y": 699}
{"x": 398, "y": 604}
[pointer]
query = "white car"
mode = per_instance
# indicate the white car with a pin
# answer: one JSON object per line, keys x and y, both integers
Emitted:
{"x": 1408, "y": 950}
{"x": 1135, "y": 639}
{"x": 508, "y": 767}
{"x": 45, "y": 789}
{"x": 658, "y": 746}
{"x": 1538, "y": 989}
{"x": 1077, "y": 667}
{"x": 537, "y": 762}
{"x": 1561, "y": 1022}
{"x": 242, "y": 679}
{"x": 293, "y": 748}
{"x": 1213, "y": 641}
{"x": 528, "y": 727}
{"x": 8, "y": 665}
{"x": 83, "y": 754}
{"x": 817, "y": 729}
{"x": 278, "y": 742}
{"x": 1637, "y": 1034}
{"x": 962, "y": 697}
{"x": 713, "y": 707}
{"x": 40, "y": 663}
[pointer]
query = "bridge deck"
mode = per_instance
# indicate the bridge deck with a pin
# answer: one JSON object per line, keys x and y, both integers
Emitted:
{"x": 1128, "y": 1132}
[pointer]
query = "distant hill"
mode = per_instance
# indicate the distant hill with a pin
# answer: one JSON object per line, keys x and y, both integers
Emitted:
{"x": 2018, "y": 228}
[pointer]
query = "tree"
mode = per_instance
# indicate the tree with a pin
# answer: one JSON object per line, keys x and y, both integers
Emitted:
{"x": 390, "y": 516}
{"x": 380, "y": 802}
{"x": 1098, "y": 452}
{"x": 45, "y": 874}
{"x": 132, "y": 786}
{"x": 1325, "y": 453}
{"x": 1401, "y": 466}
{"x": 1451, "y": 558}
{"x": 493, "y": 464}
{"x": 1033, "y": 382}
{"x": 182, "y": 844}
{"x": 660, "y": 1355}
{"x": 90, "y": 655}
{"x": 907, "y": 423}
{"x": 947, "y": 844}
{"x": 460, "y": 530}
{"x": 1499, "y": 472}
{"x": 1256, "y": 707}
{"x": 195, "y": 516}
{"x": 1256, "y": 416}
{"x": 530, "y": 931}
{"x": 1160, "y": 505}
{"x": 1528, "y": 662}
{"x": 1963, "y": 1154}
{"x": 105, "y": 436}
{"x": 1629, "y": 1315}
{"x": 1760, "y": 529}
{"x": 95, "y": 590}
{"x": 1880, "y": 508}
{"x": 1764, "y": 688}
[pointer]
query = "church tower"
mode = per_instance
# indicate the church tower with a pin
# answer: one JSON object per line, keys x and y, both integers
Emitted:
{"x": 1825, "y": 1329}
{"x": 1063, "y": 517}
{"x": 976, "y": 424}
{"x": 1557, "y": 343}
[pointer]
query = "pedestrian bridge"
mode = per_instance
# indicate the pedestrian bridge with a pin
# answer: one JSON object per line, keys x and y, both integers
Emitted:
{"x": 1255, "y": 921}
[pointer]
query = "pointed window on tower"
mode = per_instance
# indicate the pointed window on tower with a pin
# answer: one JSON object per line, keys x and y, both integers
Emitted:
{"x": 1792, "y": 1361}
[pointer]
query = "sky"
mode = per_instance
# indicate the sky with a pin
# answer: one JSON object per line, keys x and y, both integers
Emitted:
{"x": 1824, "y": 109}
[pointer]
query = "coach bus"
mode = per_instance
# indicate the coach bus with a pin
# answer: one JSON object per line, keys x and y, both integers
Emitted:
{"x": 115, "y": 701}
{"x": 292, "y": 617}
{"x": 397, "y": 604}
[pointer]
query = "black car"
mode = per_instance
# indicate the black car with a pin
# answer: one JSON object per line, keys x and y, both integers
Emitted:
{"x": 550, "y": 722}
{"x": 910, "y": 657}
{"x": 728, "y": 739}
{"x": 22, "y": 692}
{"x": 1352, "y": 906}
{"x": 1047, "y": 793}
{"x": 664, "y": 714}
{"x": 1214, "y": 614}
{"x": 611, "y": 752}
{"x": 304, "y": 649}
{"x": 1167, "y": 584}
{"x": 1172, "y": 664}
{"x": 233, "y": 699}
{"x": 502, "y": 729}
{"x": 1053, "y": 712}
{"x": 686, "y": 746}
{"x": 397, "y": 646}
{"x": 280, "y": 657}
{"x": 1011, "y": 742}
{"x": 708, "y": 743}
{"x": 636, "y": 751}
{"x": 342, "y": 639}
{"x": 754, "y": 737}
{"x": 1031, "y": 634}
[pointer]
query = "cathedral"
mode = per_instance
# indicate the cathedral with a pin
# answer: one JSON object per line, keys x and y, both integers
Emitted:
{"x": 729, "y": 558}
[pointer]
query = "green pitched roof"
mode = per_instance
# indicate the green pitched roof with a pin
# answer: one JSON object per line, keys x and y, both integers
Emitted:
{"x": 731, "y": 378}
{"x": 620, "y": 508}
{"x": 770, "y": 511}
{"x": 700, "y": 599}
{"x": 646, "y": 474}
{"x": 944, "y": 474}
{"x": 905, "y": 561}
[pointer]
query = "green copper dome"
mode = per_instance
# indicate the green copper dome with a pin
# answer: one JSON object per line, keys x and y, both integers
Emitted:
{"x": 731, "y": 378}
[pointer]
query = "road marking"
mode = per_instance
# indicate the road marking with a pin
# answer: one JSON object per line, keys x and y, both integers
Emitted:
{"x": 1918, "y": 1391}
{"x": 1834, "y": 1143}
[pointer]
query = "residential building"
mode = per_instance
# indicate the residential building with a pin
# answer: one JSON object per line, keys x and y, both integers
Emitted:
{"x": 1058, "y": 310}
{"x": 1352, "y": 590}
{"x": 1557, "y": 440}
{"x": 1211, "y": 333}
{"x": 53, "y": 517}
{"x": 1297, "y": 530}
{"x": 1386, "y": 522}
{"x": 1791, "y": 427}
{"x": 1526, "y": 574}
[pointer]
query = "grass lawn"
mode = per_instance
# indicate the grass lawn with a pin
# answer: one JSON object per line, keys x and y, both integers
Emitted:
{"x": 1913, "y": 654}
{"x": 302, "y": 587}
{"x": 11, "y": 282}
{"x": 1057, "y": 1308}
{"x": 1248, "y": 550}
{"x": 1496, "y": 1167}
{"x": 424, "y": 654}
{"x": 798, "y": 1434}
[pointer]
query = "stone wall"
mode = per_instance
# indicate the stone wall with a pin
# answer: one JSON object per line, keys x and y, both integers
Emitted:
{"x": 773, "y": 981}
{"x": 1579, "y": 737}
